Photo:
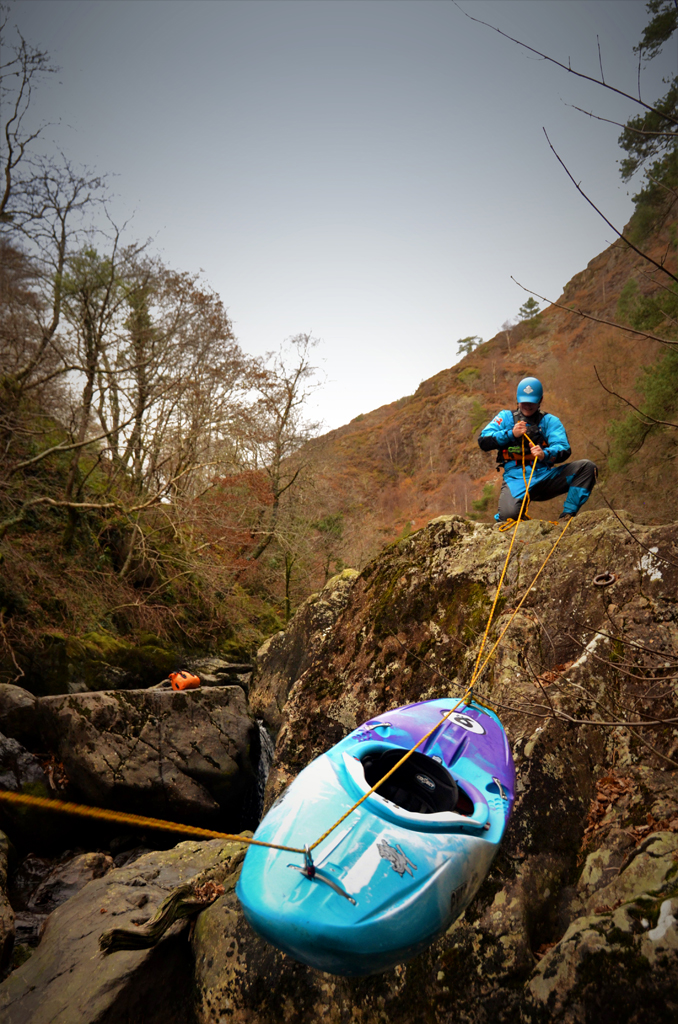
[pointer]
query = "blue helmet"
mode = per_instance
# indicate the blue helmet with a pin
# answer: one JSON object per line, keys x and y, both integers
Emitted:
{"x": 530, "y": 390}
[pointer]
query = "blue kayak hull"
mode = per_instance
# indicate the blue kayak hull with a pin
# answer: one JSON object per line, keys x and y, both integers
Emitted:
{"x": 388, "y": 880}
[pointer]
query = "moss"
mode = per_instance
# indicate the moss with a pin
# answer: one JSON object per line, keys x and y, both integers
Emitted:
{"x": 468, "y": 376}
{"x": 466, "y": 614}
{"x": 385, "y": 583}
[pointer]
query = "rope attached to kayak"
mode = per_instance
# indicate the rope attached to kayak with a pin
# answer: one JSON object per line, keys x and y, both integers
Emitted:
{"x": 135, "y": 820}
{"x": 467, "y": 696}
{"x": 141, "y": 821}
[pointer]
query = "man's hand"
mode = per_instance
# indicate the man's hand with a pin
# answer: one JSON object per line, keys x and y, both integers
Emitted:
{"x": 519, "y": 428}
{"x": 537, "y": 452}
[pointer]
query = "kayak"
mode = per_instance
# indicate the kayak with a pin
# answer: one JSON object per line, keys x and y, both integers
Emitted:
{"x": 404, "y": 864}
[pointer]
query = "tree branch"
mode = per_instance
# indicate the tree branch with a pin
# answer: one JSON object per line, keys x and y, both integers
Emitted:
{"x": 602, "y": 215}
{"x": 570, "y": 70}
{"x": 659, "y": 558}
{"x": 647, "y": 417}
{"x": 598, "y": 319}
{"x": 62, "y": 448}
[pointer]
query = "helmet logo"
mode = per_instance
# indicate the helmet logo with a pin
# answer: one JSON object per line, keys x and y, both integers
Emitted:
{"x": 528, "y": 390}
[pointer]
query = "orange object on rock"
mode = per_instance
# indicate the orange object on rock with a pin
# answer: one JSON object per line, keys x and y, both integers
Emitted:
{"x": 183, "y": 681}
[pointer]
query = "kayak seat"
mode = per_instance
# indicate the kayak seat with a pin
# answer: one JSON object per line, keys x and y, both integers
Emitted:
{"x": 421, "y": 785}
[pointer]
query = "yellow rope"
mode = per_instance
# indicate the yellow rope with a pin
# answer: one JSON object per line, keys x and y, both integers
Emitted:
{"x": 388, "y": 774}
{"x": 137, "y": 820}
{"x": 465, "y": 698}
{"x": 524, "y": 597}
{"x": 501, "y": 579}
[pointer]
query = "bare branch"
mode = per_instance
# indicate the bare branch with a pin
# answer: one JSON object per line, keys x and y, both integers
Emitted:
{"x": 644, "y": 417}
{"x": 61, "y": 448}
{"x": 598, "y": 319}
{"x": 570, "y": 70}
{"x": 621, "y": 640}
{"x": 602, "y": 215}
{"x": 659, "y": 558}
{"x": 620, "y": 124}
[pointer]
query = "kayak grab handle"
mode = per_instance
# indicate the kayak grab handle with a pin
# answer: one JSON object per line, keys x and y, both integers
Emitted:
{"x": 314, "y": 874}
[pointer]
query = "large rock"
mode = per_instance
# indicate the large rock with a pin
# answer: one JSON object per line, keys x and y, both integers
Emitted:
{"x": 188, "y": 755}
{"x": 616, "y": 965}
{"x": 287, "y": 655}
{"x": 17, "y": 713}
{"x": 39, "y": 887}
{"x": 94, "y": 661}
{"x": 576, "y": 920}
{"x": 590, "y": 797}
{"x": 241, "y": 979}
{"x": 68, "y": 981}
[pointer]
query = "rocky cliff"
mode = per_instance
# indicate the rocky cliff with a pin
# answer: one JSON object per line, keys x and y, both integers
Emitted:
{"x": 577, "y": 918}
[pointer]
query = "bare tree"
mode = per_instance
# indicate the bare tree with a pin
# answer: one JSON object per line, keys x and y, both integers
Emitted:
{"x": 25, "y": 67}
{"x": 274, "y": 428}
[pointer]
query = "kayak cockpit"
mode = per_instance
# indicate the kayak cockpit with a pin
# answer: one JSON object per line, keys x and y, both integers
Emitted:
{"x": 421, "y": 794}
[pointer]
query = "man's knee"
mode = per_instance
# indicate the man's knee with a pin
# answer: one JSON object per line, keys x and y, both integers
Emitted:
{"x": 585, "y": 474}
{"x": 509, "y": 507}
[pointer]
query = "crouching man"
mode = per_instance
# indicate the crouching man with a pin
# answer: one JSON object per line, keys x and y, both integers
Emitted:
{"x": 528, "y": 435}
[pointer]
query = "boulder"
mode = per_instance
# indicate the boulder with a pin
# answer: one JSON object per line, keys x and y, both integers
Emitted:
{"x": 596, "y": 814}
{"x": 17, "y": 713}
{"x": 22, "y": 772}
{"x": 94, "y": 661}
{"x": 68, "y": 980}
{"x": 53, "y": 885}
{"x": 576, "y": 920}
{"x": 217, "y": 672}
{"x": 287, "y": 655}
{"x": 241, "y": 979}
{"x": 190, "y": 756}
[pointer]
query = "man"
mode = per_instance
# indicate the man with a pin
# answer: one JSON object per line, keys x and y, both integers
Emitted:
{"x": 532, "y": 435}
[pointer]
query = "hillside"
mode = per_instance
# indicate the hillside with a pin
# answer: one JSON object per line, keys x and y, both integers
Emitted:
{"x": 118, "y": 589}
{"x": 391, "y": 470}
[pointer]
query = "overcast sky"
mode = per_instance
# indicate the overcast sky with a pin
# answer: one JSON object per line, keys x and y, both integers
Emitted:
{"x": 369, "y": 171}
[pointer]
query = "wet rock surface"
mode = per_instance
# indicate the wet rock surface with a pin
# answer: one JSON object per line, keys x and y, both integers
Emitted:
{"x": 68, "y": 980}
{"x": 187, "y": 756}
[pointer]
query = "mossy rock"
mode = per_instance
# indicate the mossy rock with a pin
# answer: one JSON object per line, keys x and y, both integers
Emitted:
{"x": 95, "y": 661}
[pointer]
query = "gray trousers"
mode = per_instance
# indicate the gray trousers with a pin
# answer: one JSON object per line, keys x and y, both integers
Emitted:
{"x": 577, "y": 479}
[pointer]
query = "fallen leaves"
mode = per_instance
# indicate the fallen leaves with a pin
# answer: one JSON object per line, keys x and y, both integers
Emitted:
{"x": 546, "y": 678}
{"x": 55, "y": 772}
{"x": 609, "y": 789}
{"x": 208, "y": 892}
{"x": 639, "y": 832}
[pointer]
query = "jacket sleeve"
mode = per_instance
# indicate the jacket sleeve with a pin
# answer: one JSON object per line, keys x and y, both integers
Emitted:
{"x": 498, "y": 433}
{"x": 558, "y": 445}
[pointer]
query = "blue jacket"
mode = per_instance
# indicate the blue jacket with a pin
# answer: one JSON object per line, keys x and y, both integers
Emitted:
{"x": 498, "y": 434}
